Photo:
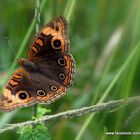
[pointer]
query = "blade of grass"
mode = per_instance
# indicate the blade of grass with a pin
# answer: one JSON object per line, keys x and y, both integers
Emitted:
{"x": 69, "y": 9}
{"x": 110, "y": 47}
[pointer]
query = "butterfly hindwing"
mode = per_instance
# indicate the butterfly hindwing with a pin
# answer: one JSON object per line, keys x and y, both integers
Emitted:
{"x": 17, "y": 93}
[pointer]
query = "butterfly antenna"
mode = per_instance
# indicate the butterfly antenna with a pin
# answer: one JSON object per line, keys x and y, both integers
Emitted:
{"x": 10, "y": 46}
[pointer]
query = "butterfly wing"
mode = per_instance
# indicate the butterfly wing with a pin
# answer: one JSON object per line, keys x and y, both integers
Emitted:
{"x": 18, "y": 92}
{"x": 27, "y": 88}
{"x": 46, "y": 90}
{"x": 50, "y": 53}
{"x": 44, "y": 42}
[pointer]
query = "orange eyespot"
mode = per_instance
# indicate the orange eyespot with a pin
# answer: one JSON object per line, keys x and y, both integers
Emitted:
{"x": 61, "y": 62}
{"x": 62, "y": 76}
{"x": 56, "y": 44}
{"x": 23, "y": 95}
{"x": 41, "y": 92}
{"x": 53, "y": 88}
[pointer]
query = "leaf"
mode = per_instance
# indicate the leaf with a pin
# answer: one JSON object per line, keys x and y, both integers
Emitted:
{"x": 39, "y": 132}
{"x": 41, "y": 112}
{"x": 26, "y": 133}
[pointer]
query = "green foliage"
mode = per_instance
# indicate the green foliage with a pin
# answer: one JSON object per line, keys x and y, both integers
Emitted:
{"x": 41, "y": 112}
{"x": 39, "y": 132}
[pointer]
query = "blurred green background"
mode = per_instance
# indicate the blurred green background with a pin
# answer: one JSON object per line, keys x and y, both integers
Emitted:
{"x": 103, "y": 35}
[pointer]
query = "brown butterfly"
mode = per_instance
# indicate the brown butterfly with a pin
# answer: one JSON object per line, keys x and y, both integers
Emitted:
{"x": 47, "y": 72}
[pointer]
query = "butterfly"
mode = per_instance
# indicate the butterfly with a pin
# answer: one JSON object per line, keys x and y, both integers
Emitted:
{"x": 47, "y": 72}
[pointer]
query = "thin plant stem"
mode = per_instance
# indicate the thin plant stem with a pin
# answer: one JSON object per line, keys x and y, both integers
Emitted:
{"x": 108, "y": 106}
{"x": 37, "y": 19}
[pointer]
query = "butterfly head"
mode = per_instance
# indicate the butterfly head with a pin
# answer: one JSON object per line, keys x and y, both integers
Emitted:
{"x": 27, "y": 65}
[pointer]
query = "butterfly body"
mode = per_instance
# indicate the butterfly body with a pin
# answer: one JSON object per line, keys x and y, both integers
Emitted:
{"x": 47, "y": 72}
